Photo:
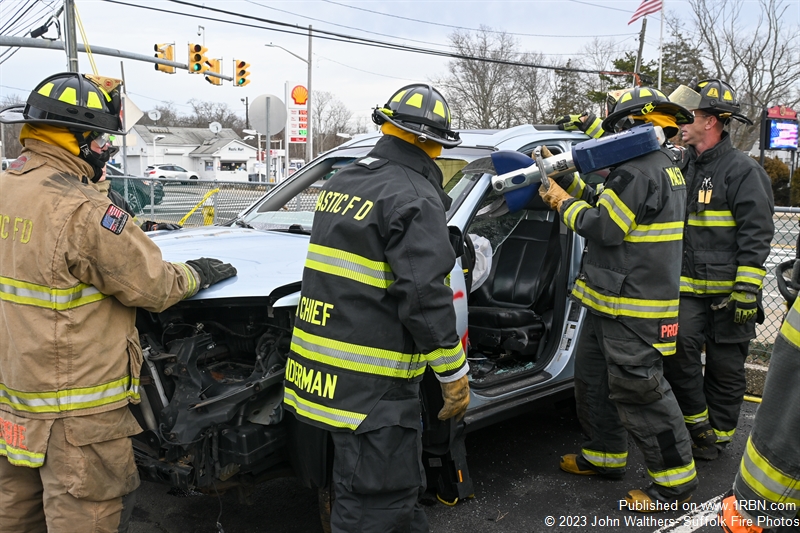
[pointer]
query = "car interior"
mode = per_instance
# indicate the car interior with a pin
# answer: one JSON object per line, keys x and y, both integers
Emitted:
{"x": 513, "y": 312}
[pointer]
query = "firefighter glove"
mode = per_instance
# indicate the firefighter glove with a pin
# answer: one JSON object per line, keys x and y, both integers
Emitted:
{"x": 745, "y": 305}
{"x": 211, "y": 271}
{"x": 570, "y": 123}
{"x": 545, "y": 151}
{"x": 456, "y": 398}
{"x": 554, "y": 196}
{"x": 149, "y": 225}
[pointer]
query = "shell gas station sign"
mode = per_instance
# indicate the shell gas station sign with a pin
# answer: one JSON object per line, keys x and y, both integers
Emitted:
{"x": 296, "y": 112}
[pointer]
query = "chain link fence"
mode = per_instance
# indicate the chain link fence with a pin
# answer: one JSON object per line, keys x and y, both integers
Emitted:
{"x": 192, "y": 202}
{"x": 783, "y": 249}
{"x": 212, "y": 201}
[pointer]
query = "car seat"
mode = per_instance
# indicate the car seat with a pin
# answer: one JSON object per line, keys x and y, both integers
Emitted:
{"x": 506, "y": 312}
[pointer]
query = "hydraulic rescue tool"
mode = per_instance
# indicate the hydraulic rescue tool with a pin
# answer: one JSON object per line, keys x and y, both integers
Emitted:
{"x": 513, "y": 170}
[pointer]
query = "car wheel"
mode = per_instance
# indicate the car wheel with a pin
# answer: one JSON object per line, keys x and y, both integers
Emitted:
{"x": 162, "y": 178}
{"x": 192, "y": 177}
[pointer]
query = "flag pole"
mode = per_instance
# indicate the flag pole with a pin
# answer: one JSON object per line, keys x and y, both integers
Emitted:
{"x": 661, "y": 45}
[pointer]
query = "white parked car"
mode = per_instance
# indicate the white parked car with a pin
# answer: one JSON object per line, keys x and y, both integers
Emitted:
{"x": 169, "y": 171}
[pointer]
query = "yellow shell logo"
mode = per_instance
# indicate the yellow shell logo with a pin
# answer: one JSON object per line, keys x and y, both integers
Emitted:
{"x": 300, "y": 95}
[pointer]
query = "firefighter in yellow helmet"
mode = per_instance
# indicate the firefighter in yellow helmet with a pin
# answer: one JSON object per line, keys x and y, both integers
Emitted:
{"x": 374, "y": 314}
{"x": 629, "y": 285}
{"x": 727, "y": 240}
{"x": 72, "y": 270}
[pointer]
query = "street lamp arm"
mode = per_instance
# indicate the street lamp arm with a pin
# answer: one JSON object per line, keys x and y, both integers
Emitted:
{"x": 304, "y": 60}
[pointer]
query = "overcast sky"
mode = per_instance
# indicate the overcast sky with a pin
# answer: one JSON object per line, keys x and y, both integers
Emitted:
{"x": 360, "y": 76}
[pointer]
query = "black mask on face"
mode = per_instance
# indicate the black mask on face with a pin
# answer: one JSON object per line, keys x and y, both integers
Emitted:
{"x": 98, "y": 161}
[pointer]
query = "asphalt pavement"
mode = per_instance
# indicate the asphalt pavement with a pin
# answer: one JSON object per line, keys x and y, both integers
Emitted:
{"x": 518, "y": 489}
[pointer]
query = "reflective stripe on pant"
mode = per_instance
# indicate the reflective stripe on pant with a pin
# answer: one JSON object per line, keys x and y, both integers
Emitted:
{"x": 721, "y": 390}
{"x": 619, "y": 385}
{"x": 378, "y": 478}
{"x": 80, "y": 489}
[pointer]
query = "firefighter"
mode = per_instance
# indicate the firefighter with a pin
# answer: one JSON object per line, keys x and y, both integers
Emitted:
{"x": 72, "y": 269}
{"x": 726, "y": 242}
{"x": 768, "y": 481}
{"x": 629, "y": 284}
{"x": 375, "y": 311}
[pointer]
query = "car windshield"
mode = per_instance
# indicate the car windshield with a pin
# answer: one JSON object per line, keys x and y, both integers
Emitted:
{"x": 290, "y": 206}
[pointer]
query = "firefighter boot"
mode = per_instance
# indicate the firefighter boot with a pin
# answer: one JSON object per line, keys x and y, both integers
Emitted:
{"x": 704, "y": 442}
{"x": 650, "y": 500}
{"x": 575, "y": 464}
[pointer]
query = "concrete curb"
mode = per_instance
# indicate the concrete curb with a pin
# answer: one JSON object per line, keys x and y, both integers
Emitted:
{"x": 755, "y": 375}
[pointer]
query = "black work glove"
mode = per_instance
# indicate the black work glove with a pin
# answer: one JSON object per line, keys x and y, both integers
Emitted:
{"x": 211, "y": 271}
{"x": 149, "y": 225}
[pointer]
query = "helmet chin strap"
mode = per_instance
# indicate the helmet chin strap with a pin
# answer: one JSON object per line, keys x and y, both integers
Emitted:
{"x": 97, "y": 161}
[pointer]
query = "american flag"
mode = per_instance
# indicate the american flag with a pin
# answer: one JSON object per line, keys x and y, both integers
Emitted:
{"x": 646, "y": 8}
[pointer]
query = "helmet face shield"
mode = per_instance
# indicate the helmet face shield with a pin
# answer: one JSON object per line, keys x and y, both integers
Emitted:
{"x": 686, "y": 97}
{"x": 422, "y": 110}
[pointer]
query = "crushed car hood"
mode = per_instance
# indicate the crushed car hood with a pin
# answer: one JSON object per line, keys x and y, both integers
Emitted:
{"x": 264, "y": 260}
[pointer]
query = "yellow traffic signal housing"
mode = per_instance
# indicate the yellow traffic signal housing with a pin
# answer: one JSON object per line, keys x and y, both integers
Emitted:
{"x": 214, "y": 65}
{"x": 165, "y": 51}
{"x": 197, "y": 59}
{"x": 240, "y": 73}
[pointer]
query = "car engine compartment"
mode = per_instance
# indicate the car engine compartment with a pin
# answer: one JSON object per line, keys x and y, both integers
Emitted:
{"x": 211, "y": 388}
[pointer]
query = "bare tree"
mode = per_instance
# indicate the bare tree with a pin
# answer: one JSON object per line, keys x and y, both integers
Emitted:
{"x": 481, "y": 94}
{"x": 169, "y": 116}
{"x": 762, "y": 64}
{"x": 532, "y": 88}
{"x": 330, "y": 117}
{"x": 206, "y": 112}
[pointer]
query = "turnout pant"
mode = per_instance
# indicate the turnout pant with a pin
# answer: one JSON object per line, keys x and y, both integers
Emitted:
{"x": 79, "y": 489}
{"x": 378, "y": 475}
{"x": 619, "y": 386}
{"x": 717, "y": 396}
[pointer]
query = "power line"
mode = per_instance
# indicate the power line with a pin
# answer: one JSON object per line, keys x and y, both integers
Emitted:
{"x": 342, "y": 25}
{"x": 360, "y": 70}
{"x": 439, "y": 24}
{"x": 338, "y": 37}
{"x": 16, "y": 16}
{"x": 24, "y": 28}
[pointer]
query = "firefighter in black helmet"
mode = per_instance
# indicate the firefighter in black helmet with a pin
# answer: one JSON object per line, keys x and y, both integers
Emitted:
{"x": 629, "y": 284}
{"x": 374, "y": 314}
{"x": 727, "y": 240}
{"x": 73, "y": 272}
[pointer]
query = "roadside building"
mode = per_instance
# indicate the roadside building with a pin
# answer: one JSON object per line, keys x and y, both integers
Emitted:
{"x": 222, "y": 155}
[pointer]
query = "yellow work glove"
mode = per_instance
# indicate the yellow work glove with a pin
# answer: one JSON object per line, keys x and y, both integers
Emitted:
{"x": 746, "y": 306}
{"x": 456, "y": 398}
{"x": 545, "y": 152}
{"x": 569, "y": 123}
{"x": 554, "y": 196}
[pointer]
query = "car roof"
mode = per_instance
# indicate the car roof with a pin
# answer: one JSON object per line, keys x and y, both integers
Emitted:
{"x": 486, "y": 138}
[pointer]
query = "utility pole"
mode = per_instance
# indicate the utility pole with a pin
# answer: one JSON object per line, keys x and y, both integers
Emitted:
{"x": 309, "y": 142}
{"x": 71, "y": 41}
{"x": 641, "y": 46}
{"x": 246, "y": 102}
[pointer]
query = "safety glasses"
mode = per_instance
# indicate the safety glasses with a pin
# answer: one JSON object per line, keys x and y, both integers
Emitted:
{"x": 102, "y": 139}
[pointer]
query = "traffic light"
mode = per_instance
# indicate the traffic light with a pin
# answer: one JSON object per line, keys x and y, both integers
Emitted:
{"x": 240, "y": 73}
{"x": 214, "y": 65}
{"x": 165, "y": 51}
{"x": 197, "y": 59}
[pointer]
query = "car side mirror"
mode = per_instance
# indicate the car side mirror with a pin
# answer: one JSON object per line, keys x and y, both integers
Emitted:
{"x": 456, "y": 240}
